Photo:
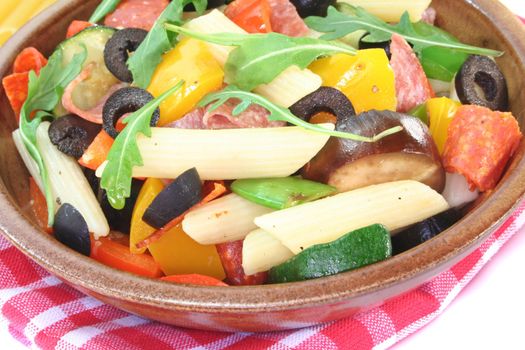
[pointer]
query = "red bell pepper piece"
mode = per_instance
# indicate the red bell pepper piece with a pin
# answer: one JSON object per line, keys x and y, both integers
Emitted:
{"x": 76, "y": 27}
{"x": 251, "y": 15}
{"x": 15, "y": 86}
{"x": 29, "y": 59}
{"x": 39, "y": 205}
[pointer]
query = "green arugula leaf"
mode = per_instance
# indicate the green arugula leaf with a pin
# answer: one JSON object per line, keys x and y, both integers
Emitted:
{"x": 337, "y": 24}
{"x": 260, "y": 58}
{"x": 278, "y": 113}
{"x": 105, "y": 7}
{"x": 43, "y": 94}
{"x": 125, "y": 153}
{"x": 148, "y": 55}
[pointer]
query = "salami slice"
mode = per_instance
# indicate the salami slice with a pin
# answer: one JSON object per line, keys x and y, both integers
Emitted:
{"x": 285, "y": 19}
{"x": 231, "y": 258}
{"x": 136, "y": 14}
{"x": 479, "y": 144}
{"x": 412, "y": 85}
{"x": 222, "y": 118}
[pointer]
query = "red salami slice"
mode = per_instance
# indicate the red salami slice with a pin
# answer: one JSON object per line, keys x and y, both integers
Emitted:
{"x": 222, "y": 118}
{"x": 231, "y": 258}
{"x": 285, "y": 19}
{"x": 136, "y": 14}
{"x": 479, "y": 144}
{"x": 412, "y": 86}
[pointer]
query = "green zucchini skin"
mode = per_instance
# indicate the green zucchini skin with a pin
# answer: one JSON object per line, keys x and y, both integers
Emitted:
{"x": 358, "y": 248}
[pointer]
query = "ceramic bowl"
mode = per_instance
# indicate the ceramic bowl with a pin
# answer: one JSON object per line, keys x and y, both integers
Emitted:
{"x": 268, "y": 307}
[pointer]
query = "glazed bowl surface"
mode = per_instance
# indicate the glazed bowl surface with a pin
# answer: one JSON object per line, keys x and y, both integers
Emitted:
{"x": 269, "y": 307}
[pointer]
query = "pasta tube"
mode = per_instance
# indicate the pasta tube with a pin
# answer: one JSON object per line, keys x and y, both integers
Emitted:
{"x": 261, "y": 251}
{"x": 286, "y": 89}
{"x": 225, "y": 219}
{"x": 29, "y": 162}
{"x": 392, "y": 10}
{"x": 393, "y": 204}
{"x": 227, "y": 154}
{"x": 69, "y": 183}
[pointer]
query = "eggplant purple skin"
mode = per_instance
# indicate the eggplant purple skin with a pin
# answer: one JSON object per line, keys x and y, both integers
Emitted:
{"x": 424, "y": 230}
{"x": 179, "y": 196}
{"x": 414, "y": 139}
{"x": 71, "y": 229}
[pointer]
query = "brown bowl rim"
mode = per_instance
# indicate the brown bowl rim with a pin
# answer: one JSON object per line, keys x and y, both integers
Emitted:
{"x": 420, "y": 263}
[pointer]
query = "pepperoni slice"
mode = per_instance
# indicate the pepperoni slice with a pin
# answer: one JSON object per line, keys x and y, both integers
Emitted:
{"x": 231, "y": 258}
{"x": 29, "y": 59}
{"x": 285, "y": 19}
{"x": 136, "y": 14}
{"x": 412, "y": 86}
{"x": 479, "y": 144}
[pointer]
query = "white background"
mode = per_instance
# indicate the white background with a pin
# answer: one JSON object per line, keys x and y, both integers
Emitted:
{"x": 488, "y": 314}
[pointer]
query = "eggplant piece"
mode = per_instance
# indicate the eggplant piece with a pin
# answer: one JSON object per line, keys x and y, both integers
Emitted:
{"x": 424, "y": 230}
{"x": 120, "y": 220}
{"x": 174, "y": 200}
{"x": 122, "y": 101}
{"x": 72, "y": 135}
{"x": 410, "y": 154}
{"x": 306, "y": 8}
{"x": 118, "y": 49}
{"x": 71, "y": 229}
{"x": 481, "y": 82}
{"x": 325, "y": 99}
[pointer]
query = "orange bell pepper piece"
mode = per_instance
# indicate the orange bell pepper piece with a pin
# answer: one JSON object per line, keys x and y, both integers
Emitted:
{"x": 118, "y": 256}
{"x": 97, "y": 152}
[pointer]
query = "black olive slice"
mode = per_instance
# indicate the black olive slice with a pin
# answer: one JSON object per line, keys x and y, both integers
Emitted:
{"x": 385, "y": 45}
{"x": 71, "y": 229}
{"x": 72, "y": 135}
{"x": 481, "y": 82}
{"x": 307, "y": 8}
{"x": 424, "y": 230}
{"x": 125, "y": 100}
{"x": 174, "y": 200}
{"x": 120, "y": 220}
{"x": 118, "y": 48}
{"x": 324, "y": 99}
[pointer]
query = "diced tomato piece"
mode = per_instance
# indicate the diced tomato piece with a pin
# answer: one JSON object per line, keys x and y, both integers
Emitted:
{"x": 412, "y": 85}
{"x": 97, "y": 152}
{"x": 231, "y": 258}
{"x": 118, "y": 256}
{"x": 39, "y": 205}
{"x": 15, "y": 86}
{"x": 480, "y": 142}
{"x": 29, "y": 59}
{"x": 76, "y": 27}
{"x": 251, "y": 15}
{"x": 194, "y": 279}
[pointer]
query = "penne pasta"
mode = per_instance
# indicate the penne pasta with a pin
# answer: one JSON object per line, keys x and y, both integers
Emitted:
{"x": 29, "y": 162}
{"x": 227, "y": 154}
{"x": 394, "y": 204}
{"x": 286, "y": 89}
{"x": 392, "y": 10}
{"x": 225, "y": 219}
{"x": 69, "y": 183}
{"x": 261, "y": 251}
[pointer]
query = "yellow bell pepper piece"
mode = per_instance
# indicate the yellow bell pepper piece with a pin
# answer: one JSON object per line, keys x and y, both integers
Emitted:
{"x": 139, "y": 230}
{"x": 440, "y": 112}
{"x": 366, "y": 78}
{"x": 190, "y": 61}
{"x": 176, "y": 253}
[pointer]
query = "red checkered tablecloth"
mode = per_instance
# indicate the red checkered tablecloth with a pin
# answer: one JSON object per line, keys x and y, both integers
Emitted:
{"x": 44, "y": 313}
